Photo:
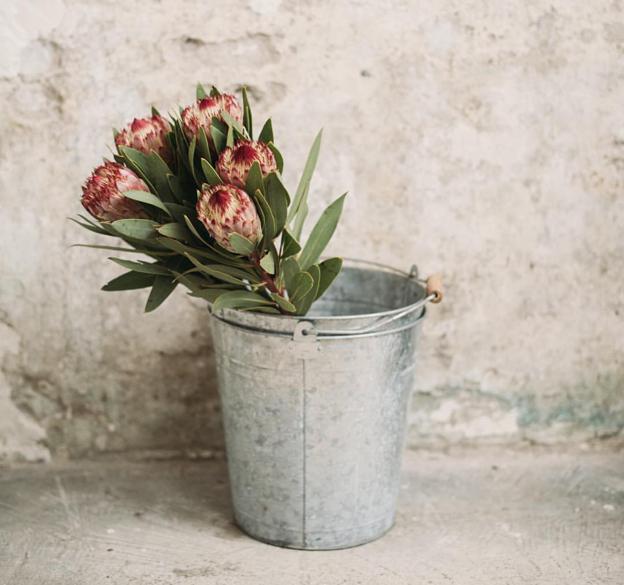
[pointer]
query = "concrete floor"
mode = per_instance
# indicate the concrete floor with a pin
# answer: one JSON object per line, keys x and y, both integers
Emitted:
{"x": 471, "y": 517}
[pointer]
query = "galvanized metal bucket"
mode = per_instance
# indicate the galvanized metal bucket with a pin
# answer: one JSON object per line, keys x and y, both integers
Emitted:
{"x": 314, "y": 409}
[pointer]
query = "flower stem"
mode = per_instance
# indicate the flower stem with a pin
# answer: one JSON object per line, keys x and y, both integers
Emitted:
{"x": 267, "y": 279}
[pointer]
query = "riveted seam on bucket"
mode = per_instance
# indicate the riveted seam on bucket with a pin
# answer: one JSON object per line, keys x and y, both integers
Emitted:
{"x": 304, "y": 422}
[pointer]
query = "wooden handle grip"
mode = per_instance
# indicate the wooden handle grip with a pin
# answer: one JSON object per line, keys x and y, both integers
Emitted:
{"x": 434, "y": 286}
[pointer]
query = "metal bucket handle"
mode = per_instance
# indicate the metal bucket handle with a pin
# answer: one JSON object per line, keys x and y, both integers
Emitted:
{"x": 305, "y": 330}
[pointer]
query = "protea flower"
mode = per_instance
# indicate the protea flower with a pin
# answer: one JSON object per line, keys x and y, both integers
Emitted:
{"x": 147, "y": 135}
{"x": 200, "y": 114}
{"x": 234, "y": 162}
{"x": 103, "y": 193}
{"x": 226, "y": 209}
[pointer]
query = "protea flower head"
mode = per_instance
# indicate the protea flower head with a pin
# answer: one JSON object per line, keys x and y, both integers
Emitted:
{"x": 200, "y": 114}
{"x": 103, "y": 193}
{"x": 234, "y": 162}
{"x": 226, "y": 209}
{"x": 147, "y": 135}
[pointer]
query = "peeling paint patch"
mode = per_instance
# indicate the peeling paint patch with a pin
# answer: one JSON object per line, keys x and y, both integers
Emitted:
{"x": 462, "y": 419}
{"x": 464, "y": 415}
{"x": 21, "y": 438}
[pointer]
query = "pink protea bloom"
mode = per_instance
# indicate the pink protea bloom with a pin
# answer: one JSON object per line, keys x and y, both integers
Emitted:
{"x": 103, "y": 193}
{"x": 200, "y": 114}
{"x": 230, "y": 104}
{"x": 147, "y": 135}
{"x": 226, "y": 209}
{"x": 234, "y": 163}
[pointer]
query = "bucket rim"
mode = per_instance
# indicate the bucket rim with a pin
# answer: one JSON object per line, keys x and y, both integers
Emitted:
{"x": 351, "y": 262}
{"x": 323, "y": 335}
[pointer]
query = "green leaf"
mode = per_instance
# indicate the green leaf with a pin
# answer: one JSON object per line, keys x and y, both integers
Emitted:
{"x": 233, "y": 123}
{"x": 90, "y": 221}
{"x": 301, "y": 286}
{"x": 275, "y": 264}
{"x": 241, "y": 244}
{"x": 191, "y": 159}
{"x": 214, "y": 92}
{"x": 139, "y": 229}
{"x": 225, "y": 273}
{"x": 162, "y": 288}
{"x": 176, "y": 231}
{"x": 115, "y": 248}
{"x": 202, "y": 145}
{"x": 91, "y": 227}
{"x": 179, "y": 189}
{"x": 158, "y": 171}
{"x": 304, "y": 302}
{"x": 147, "y": 198}
{"x": 238, "y": 136}
{"x": 268, "y": 263}
{"x": 209, "y": 252}
{"x": 220, "y": 125}
{"x": 194, "y": 282}
{"x": 266, "y": 134}
{"x": 178, "y": 211}
{"x": 279, "y": 159}
{"x": 194, "y": 231}
{"x": 299, "y": 205}
{"x": 283, "y": 303}
{"x": 209, "y": 294}
{"x": 143, "y": 267}
{"x": 238, "y": 299}
{"x": 290, "y": 246}
{"x": 212, "y": 177}
{"x": 182, "y": 146}
{"x": 247, "y": 117}
{"x": 268, "y": 224}
{"x": 229, "y": 139}
{"x": 297, "y": 225}
{"x": 213, "y": 271}
{"x": 218, "y": 137}
{"x": 200, "y": 92}
{"x": 130, "y": 281}
{"x": 148, "y": 245}
{"x": 290, "y": 269}
{"x": 254, "y": 179}
{"x": 278, "y": 199}
{"x": 321, "y": 233}
{"x": 155, "y": 112}
{"x": 224, "y": 255}
{"x": 135, "y": 161}
{"x": 183, "y": 249}
{"x": 152, "y": 168}
{"x": 329, "y": 268}
{"x": 242, "y": 273}
{"x": 207, "y": 282}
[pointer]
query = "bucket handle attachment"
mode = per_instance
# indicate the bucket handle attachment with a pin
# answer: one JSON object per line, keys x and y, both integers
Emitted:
{"x": 433, "y": 286}
{"x": 304, "y": 330}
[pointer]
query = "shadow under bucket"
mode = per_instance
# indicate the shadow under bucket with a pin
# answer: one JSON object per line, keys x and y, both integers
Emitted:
{"x": 314, "y": 409}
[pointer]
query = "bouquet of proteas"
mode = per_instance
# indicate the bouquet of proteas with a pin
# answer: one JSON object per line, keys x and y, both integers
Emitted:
{"x": 204, "y": 200}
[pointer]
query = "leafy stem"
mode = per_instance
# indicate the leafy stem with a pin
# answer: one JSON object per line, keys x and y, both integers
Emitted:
{"x": 267, "y": 279}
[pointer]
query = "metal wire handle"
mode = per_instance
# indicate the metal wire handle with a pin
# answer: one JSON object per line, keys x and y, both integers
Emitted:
{"x": 433, "y": 287}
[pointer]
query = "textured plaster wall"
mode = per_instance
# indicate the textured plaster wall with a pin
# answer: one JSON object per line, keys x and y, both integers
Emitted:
{"x": 482, "y": 139}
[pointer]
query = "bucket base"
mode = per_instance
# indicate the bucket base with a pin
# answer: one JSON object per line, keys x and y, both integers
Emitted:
{"x": 328, "y": 540}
